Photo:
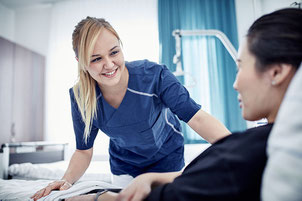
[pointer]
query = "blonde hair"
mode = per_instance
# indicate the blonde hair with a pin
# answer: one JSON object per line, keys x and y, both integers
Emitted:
{"x": 84, "y": 38}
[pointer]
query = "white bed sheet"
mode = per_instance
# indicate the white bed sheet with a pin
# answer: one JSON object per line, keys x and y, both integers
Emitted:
{"x": 97, "y": 170}
{"x": 22, "y": 190}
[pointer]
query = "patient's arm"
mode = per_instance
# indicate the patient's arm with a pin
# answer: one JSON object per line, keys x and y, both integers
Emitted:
{"x": 208, "y": 126}
{"x": 141, "y": 186}
{"x": 109, "y": 196}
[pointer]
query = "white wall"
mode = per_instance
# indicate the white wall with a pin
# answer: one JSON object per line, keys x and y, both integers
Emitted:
{"x": 32, "y": 28}
{"x": 248, "y": 11}
{"x": 28, "y": 27}
{"x": 272, "y": 5}
{"x": 7, "y": 23}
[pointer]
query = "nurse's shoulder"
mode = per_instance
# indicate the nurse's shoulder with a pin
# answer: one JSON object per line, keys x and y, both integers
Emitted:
{"x": 145, "y": 67}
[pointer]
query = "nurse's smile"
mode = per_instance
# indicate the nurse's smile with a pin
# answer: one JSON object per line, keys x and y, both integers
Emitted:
{"x": 110, "y": 74}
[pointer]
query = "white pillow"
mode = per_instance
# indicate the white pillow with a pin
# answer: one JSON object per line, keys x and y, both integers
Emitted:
{"x": 98, "y": 170}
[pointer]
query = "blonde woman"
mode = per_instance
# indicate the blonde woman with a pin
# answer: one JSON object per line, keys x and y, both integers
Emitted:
{"x": 135, "y": 103}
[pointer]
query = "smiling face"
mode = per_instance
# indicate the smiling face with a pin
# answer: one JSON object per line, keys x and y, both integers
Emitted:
{"x": 254, "y": 88}
{"x": 107, "y": 64}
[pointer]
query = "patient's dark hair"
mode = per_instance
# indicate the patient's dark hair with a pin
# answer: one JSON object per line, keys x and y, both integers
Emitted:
{"x": 276, "y": 38}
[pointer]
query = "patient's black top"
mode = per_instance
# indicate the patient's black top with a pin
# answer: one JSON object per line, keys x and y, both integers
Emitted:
{"x": 231, "y": 169}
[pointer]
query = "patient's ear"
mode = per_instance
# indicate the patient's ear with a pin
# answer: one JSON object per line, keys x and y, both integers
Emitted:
{"x": 280, "y": 73}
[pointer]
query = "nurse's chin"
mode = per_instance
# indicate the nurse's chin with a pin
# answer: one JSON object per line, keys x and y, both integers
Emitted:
{"x": 105, "y": 82}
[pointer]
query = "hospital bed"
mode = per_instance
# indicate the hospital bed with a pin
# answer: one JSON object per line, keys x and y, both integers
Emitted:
{"x": 29, "y": 166}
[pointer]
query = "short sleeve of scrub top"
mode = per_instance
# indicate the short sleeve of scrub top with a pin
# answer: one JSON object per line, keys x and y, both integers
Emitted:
{"x": 79, "y": 126}
{"x": 175, "y": 96}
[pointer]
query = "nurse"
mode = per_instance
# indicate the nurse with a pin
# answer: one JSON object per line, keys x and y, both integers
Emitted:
{"x": 137, "y": 104}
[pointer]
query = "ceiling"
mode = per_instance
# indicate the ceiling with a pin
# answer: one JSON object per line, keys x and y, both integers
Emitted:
{"x": 15, "y": 4}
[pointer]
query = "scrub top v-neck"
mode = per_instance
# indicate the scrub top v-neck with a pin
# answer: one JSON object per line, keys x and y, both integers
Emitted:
{"x": 145, "y": 134}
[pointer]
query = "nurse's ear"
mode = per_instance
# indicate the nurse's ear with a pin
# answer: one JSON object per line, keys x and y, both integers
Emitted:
{"x": 77, "y": 59}
{"x": 281, "y": 73}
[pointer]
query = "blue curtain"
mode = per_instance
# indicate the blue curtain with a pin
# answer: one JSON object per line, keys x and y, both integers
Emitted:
{"x": 210, "y": 66}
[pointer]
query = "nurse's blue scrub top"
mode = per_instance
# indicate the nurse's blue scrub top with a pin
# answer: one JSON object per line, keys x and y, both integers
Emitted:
{"x": 145, "y": 135}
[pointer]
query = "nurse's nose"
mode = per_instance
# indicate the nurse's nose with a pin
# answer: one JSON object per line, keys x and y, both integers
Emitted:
{"x": 109, "y": 64}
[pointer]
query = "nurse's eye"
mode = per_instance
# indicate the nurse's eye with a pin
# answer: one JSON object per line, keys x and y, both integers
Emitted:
{"x": 96, "y": 60}
{"x": 114, "y": 52}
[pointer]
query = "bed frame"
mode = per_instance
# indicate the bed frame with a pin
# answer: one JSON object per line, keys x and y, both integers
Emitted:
{"x": 33, "y": 152}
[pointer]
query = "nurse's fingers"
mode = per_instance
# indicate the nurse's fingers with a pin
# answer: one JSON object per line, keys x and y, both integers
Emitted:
{"x": 60, "y": 184}
{"x": 48, "y": 189}
{"x": 38, "y": 194}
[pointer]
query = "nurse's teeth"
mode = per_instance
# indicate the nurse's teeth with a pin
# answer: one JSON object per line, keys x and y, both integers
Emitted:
{"x": 110, "y": 73}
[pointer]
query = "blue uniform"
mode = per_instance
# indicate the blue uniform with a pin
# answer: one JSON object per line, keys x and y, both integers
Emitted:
{"x": 145, "y": 135}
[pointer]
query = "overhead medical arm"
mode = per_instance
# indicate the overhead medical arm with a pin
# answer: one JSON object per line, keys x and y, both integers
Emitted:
{"x": 209, "y": 32}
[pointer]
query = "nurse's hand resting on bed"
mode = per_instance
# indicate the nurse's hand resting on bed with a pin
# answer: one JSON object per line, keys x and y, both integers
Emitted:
{"x": 56, "y": 185}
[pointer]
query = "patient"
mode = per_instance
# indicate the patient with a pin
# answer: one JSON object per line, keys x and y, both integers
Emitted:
{"x": 231, "y": 169}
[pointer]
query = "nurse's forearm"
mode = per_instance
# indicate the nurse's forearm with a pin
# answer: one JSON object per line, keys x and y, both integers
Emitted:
{"x": 208, "y": 126}
{"x": 78, "y": 164}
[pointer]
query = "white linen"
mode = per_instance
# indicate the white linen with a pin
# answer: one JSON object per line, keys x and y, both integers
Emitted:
{"x": 22, "y": 190}
{"x": 121, "y": 180}
{"x": 98, "y": 170}
{"x": 17, "y": 190}
{"x": 79, "y": 188}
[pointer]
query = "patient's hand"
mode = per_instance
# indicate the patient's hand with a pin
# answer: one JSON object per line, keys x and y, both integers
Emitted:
{"x": 56, "y": 185}
{"x": 138, "y": 189}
